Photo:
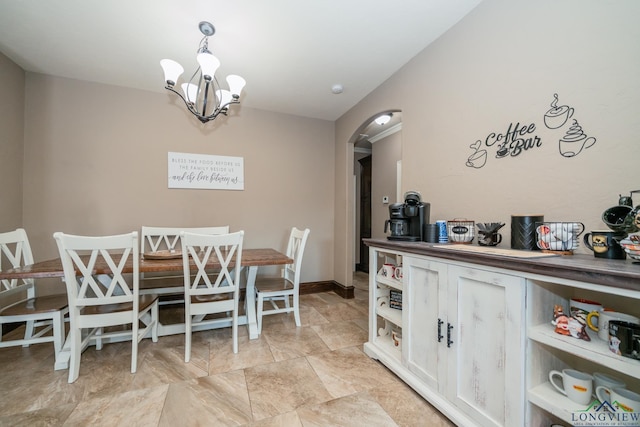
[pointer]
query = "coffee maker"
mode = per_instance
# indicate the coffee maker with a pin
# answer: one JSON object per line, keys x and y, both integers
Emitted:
{"x": 407, "y": 220}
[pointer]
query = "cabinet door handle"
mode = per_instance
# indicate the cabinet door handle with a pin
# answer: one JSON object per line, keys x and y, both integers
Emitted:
{"x": 449, "y": 328}
{"x": 440, "y": 336}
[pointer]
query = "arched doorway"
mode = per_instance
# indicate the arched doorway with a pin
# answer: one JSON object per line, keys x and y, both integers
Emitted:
{"x": 376, "y": 180}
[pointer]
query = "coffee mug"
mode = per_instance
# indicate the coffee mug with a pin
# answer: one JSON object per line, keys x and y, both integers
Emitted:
{"x": 396, "y": 337}
{"x": 383, "y": 301}
{"x": 608, "y": 382}
{"x": 576, "y": 385}
{"x": 491, "y": 239}
{"x": 604, "y": 317}
{"x": 624, "y": 338}
{"x": 624, "y": 399}
{"x": 580, "y": 308}
{"x": 397, "y": 273}
{"x": 387, "y": 271}
{"x": 605, "y": 244}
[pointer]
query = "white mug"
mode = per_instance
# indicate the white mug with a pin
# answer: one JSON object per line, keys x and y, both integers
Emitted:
{"x": 396, "y": 337}
{"x": 624, "y": 399}
{"x": 608, "y": 382}
{"x": 576, "y": 385}
{"x": 397, "y": 273}
{"x": 579, "y": 307}
{"x": 387, "y": 271}
{"x": 383, "y": 301}
{"x": 604, "y": 316}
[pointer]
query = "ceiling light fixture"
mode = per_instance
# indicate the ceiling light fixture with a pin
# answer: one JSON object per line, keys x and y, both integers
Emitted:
{"x": 203, "y": 95}
{"x": 383, "y": 119}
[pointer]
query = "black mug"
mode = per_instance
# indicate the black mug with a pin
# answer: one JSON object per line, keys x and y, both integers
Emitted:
{"x": 624, "y": 338}
{"x": 605, "y": 244}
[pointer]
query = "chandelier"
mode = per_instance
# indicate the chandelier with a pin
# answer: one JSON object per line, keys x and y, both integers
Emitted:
{"x": 203, "y": 95}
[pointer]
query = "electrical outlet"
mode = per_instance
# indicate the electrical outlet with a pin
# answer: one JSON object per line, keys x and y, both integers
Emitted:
{"x": 385, "y": 199}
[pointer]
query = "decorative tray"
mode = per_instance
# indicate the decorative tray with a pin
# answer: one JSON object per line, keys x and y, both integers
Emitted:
{"x": 162, "y": 255}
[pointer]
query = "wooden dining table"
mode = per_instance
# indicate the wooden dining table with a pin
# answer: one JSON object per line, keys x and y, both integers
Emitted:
{"x": 252, "y": 259}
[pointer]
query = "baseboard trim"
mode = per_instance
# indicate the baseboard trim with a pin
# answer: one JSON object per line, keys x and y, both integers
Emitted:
{"x": 346, "y": 292}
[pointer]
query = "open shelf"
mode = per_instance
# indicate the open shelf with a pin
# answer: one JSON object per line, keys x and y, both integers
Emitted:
{"x": 596, "y": 350}
{"x": 385, "y": 343}
{"x": 548, "y": 398}
{"x": 391, "y": 314}
{"x": 392, "y": 283}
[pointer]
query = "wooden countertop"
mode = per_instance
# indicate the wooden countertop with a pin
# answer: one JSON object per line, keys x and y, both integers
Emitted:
{"x": 584, "y": 268}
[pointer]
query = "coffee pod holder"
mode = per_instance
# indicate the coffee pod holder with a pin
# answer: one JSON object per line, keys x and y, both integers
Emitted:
{"x": 558, "y": 237}
{"x": 460, "y": 230}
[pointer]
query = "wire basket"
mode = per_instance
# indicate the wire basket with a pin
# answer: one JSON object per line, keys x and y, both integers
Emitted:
{"x": 558, "y": 236}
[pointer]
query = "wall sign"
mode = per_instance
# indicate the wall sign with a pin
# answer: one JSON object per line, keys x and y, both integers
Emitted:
{"x": 519, "y": 138}
{"x": 203, "y": 171}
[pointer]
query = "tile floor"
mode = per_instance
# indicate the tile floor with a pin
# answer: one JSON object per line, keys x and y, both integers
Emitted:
{"x": 316, "y": 375}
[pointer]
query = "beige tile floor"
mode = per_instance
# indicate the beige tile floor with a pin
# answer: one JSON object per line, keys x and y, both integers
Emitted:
{"x": 315, "y": 375}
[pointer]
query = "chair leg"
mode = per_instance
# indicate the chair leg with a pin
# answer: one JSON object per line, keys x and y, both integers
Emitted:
{"x": 76, "y": 350}
{"x": 28, "y": 332}
{"x": 154, "y": 319}
{"x": 234, "y": 327}
{"x": 259, "y": 312}
{"x": 296, "y": 309}
{"x": 98, "y": 339}
{"x": 134, "y": 344}
{"x": 58, "y": 332}
{"x": 187, "y": 338}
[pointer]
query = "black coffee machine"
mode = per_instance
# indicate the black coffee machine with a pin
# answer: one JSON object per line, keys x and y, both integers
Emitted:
{"x": 407, "y": 220}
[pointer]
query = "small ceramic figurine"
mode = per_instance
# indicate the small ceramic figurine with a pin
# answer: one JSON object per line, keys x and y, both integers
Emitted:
{"x": 566, "y": 325}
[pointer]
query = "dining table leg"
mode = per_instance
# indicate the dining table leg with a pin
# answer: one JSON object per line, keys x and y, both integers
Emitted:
{"x": 250, "y": 298}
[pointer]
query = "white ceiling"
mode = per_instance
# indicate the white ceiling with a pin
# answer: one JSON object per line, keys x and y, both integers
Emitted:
{"x": 291, "y": 52}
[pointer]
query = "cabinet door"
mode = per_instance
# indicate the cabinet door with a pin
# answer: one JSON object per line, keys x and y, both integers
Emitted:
{"x": 486, "y": 369}
{"x": 423, "y": 303}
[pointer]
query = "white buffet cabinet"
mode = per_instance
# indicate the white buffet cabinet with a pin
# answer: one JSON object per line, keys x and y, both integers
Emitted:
{"x": 477, "y": 340}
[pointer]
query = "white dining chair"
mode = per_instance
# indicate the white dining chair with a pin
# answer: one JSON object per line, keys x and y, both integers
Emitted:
{"x": 211, "y": 291}
{"x": 94, "y": 305}
{"x": 18, "y": 300}
{"x": 167, "y": 239}
{"x": 286, "y": 288}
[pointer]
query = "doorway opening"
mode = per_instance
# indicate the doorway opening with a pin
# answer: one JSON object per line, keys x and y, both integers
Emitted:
{"x": 376, "y": 162}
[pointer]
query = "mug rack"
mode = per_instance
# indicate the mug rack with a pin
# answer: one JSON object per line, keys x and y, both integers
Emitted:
{"x": 558, "y": 237}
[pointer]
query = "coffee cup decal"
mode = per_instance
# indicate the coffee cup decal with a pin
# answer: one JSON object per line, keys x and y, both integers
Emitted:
{"x": 575, "y": 140}
{"x": 479, "y": 158}
{"x": 556, "y": 116}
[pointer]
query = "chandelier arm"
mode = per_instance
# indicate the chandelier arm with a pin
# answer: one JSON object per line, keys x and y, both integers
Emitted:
{"x": 186, "y": 103}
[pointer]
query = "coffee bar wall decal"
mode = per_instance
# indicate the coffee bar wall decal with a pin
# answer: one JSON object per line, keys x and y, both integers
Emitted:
{"x": 513, "y": 142}
{"x": 202, "y": 171}
{"x": 520, "y": 138}
{"x": 574, "y": 139}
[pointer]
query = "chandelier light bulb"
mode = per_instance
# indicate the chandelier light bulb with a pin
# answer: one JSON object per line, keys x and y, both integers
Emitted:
{"x": 208, "y": 65}
{"x": 190, "y": 92}
{"x": 236, "y": 84}
{"x": 172, "y": 71}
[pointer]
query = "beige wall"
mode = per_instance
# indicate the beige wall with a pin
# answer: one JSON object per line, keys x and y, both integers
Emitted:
{"x": 502, "y": 64}
{"x": 11, "y": 137}
{"x": 385, "y": 156}
{"x": 96, "y": 163}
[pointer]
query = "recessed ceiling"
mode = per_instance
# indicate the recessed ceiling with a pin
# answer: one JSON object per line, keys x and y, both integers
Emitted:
{"x": 291, "y": 52}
